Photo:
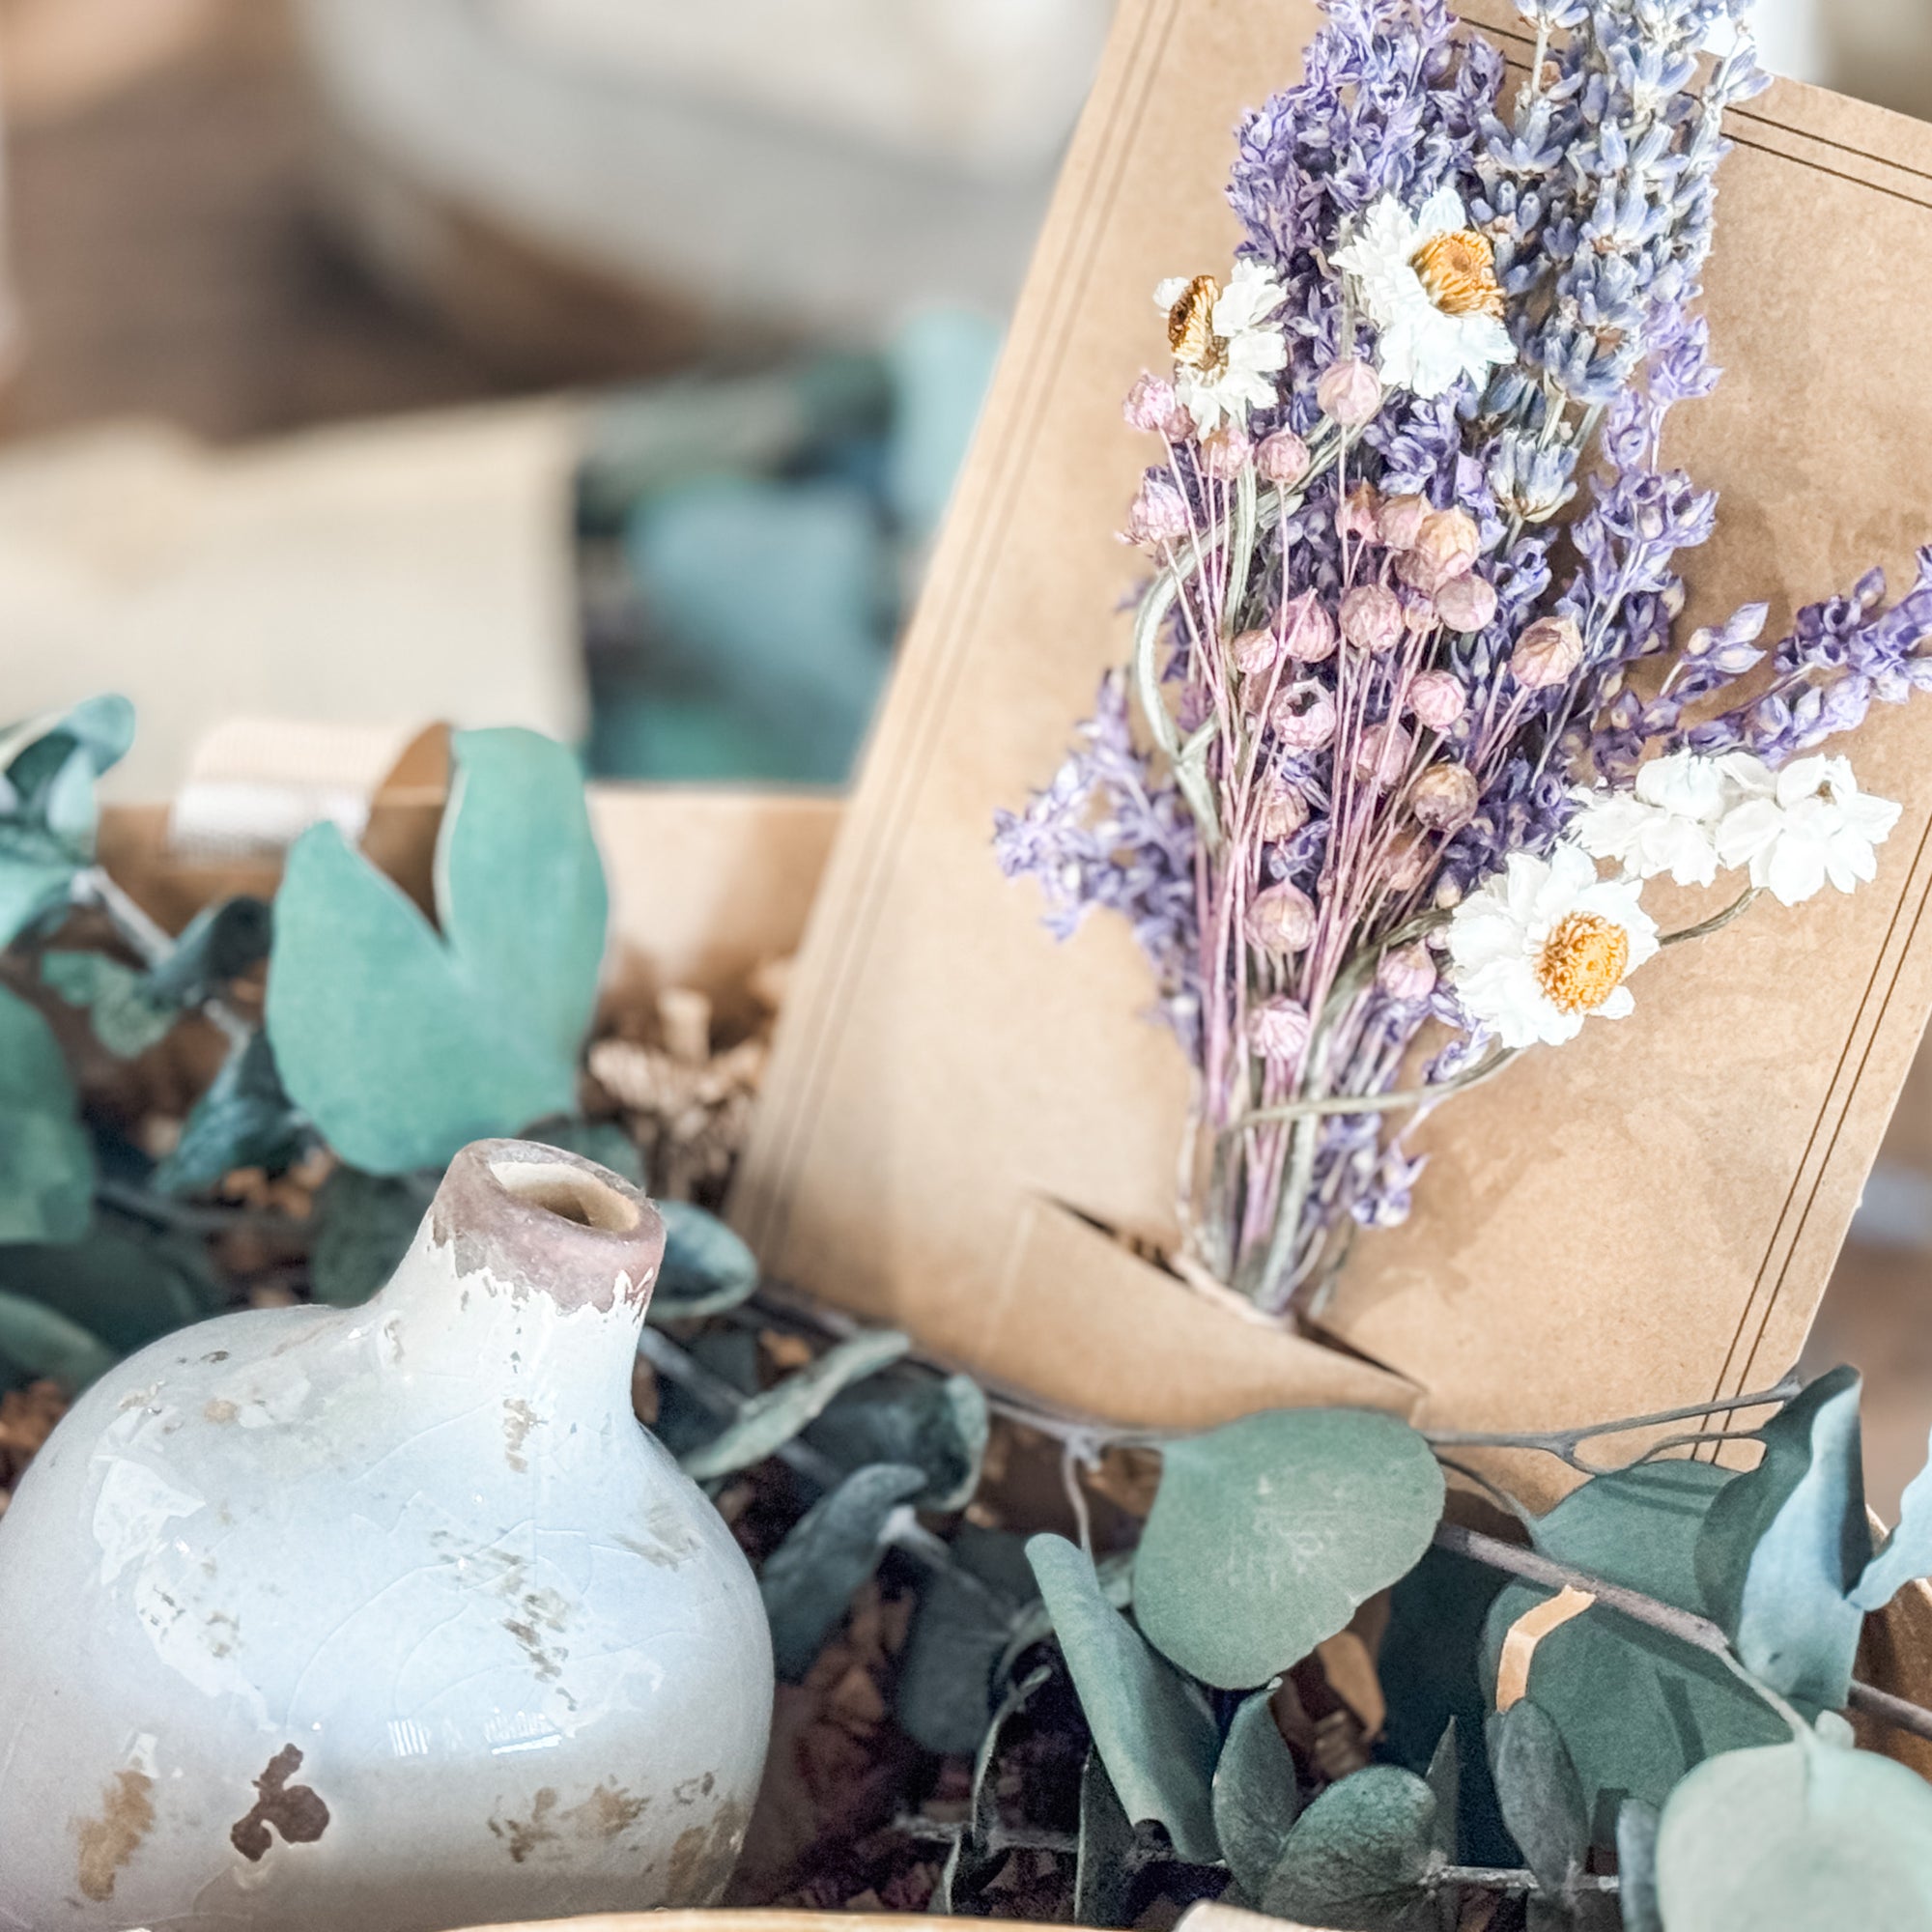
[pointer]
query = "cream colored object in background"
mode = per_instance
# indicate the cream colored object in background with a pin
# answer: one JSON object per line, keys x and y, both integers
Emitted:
{"x": 386, "y": 1617}
{"x": 381, "y": 572}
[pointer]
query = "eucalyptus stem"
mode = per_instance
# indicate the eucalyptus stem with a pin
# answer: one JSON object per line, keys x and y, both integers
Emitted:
{"x": 1508, "y": 1878}
{"x": 931, "y": 1552}
{"x": 1564, "y": 1443}
{"x": 1533, "y": 1567}
{"x": 150, "y": 941}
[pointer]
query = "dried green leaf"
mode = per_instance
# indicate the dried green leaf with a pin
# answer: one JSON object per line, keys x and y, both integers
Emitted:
{"x": 403, "y": 1042}
{"x": 811, "y": 1577}
{"x": 1636, "y": 1709}
{"x": 1540, "y": 1794}
{"x": 1785, "y": 1543}
{"x": 1107, "y": 1863}
{"x": 769, "y": 1421}
{"x": 126, "y": 1017}
{"x": 37, "y": 1343}
{"x": 48, "y": 812}
{"x": 46, "y": 1161}
{"x": 1152, "y": 1727}
{"x": 1907, "y": 1554}
{"x": 363, "y": 1225}
{"x": 1636, "y": 1867}
{"x": 1803, "y": 1837}
{"x": 244, "y": 1119}
{"x": 1257, "y": 1797}
{"x": 218, "y": 945}
{"x": 708, "y": 1270}
{"x": 1267, "y": 1535}
{"x": 959, "y": 1632}
{"x": 1359, "y": 1859}
{"x": 940, "y": 1423}
{"x": 126, "y": 1284}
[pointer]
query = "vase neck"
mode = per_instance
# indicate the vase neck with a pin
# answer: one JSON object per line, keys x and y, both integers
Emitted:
{"x": 531, "y": 1265}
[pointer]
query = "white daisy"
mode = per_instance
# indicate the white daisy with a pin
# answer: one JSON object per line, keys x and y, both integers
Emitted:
{"x": 1544, "y": 944}
{"x": 1799, "y": 827}
{"x": 1227, "y": 351}
{"x": 1428, "y": 281}
{"x": 1667, "y": 822}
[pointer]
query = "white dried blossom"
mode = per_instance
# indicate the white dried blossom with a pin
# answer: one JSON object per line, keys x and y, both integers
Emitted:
{"x": 1667, "y": 822}
{"x": 1802, "y": 826}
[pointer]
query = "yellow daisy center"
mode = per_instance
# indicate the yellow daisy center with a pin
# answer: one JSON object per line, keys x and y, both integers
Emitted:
{"x": 1190, "y": 328}
{"x": 1458, "y": 271}
{"x": 1582, "y": 962}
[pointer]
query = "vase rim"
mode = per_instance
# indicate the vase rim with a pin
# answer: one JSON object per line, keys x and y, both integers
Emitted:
{"x": 551, "y": 1222}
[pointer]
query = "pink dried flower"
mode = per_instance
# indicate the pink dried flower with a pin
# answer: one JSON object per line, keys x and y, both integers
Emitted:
{"x": 1304, "y": 718}
{"x": 1158, "y": 513}
{"x": 1407, "y": 865}
{"x": 1547, "y": 653}
{"x": 1150, "y": 404}
{"x": 1225, "y": 454}
{"x": 1467, "y": 603}
{"x": 1436, "y": 699}
{"x": 1382, "y": 755}
{"x": 1418, "y": 613}
{"x": 1401, "y": 521}
{"x": 1355, "y": 516}
{"x": 1446, "y": 545}
{"x": 1350, "y": 392}
{"x": 1282, "y": 458}
{"x": 1279, "y": 919}
{"x": 1408, "y": 972}
{"x": 1444, "y": 798}
{"x": 1256, "y": 653}
{"x": 1307, "y": 629}
{"x": 1278, "y": 1030}
{"x": 1371, "y": 619}
{"x": 1282, "y": 813}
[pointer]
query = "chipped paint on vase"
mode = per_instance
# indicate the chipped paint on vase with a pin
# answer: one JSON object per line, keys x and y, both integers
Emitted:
{"x": 389, "y": 1617}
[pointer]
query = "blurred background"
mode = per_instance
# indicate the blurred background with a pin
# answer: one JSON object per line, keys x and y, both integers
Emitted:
{"x": 601, "y": 365}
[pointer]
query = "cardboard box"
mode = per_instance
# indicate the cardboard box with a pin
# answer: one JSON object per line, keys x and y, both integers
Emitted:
{"x": 1643, "y": 1219}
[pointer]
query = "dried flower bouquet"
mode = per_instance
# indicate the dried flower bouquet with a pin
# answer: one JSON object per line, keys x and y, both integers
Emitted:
{"x": 1412, "y": 735}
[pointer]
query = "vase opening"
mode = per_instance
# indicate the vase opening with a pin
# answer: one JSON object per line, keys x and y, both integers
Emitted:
{"x": 569, "y": 1193}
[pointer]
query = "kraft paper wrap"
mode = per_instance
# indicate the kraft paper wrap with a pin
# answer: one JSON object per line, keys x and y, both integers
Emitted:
{"x": 1644, "y": 1218}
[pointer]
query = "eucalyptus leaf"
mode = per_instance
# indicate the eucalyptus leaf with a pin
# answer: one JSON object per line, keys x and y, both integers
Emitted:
{"x": 48, "y": 820}
{"x": 46, "y": 1160}
{"x": 1803, "y": 1837}
{"x": 363, "y": 1226}
{"x": 37, "y": 1343}
{"x": 1267, "y": 1535}
{"x": 1785, "y": 1543}
{"x": 126, "y": 1016}
{"x": 218, "y": 945}
{"x": 1361, "y": 1858}
{"x": 1907, "y": 1554}
{"x": 1429, "y": 1662}
{"x": 403, "y": 1042}
{"x": 940, "y": 1423}
{"x": 1151, "y": 1728}
{"x": 127, "y": 1285}
{"x": 1636, "y": 1867}
{"x": 1636, "y": 1709}
{"x": 959, "y": 1630}
{"x": 769, "y": 1421}
{"x": 244, "y": 1119}
{"x": 1256, "y": 1793}
{"x": 811, "y": 1577}
{"x": 708, "y": 1270}
{"x": 1542, "y": 1796}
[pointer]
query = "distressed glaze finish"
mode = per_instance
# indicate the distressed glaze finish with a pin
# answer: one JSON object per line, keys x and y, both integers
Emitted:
{"x": 388, "y": 1618}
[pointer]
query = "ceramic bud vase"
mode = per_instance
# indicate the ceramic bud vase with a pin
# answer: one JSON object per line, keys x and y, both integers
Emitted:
{"x": 383, "y": 1619}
